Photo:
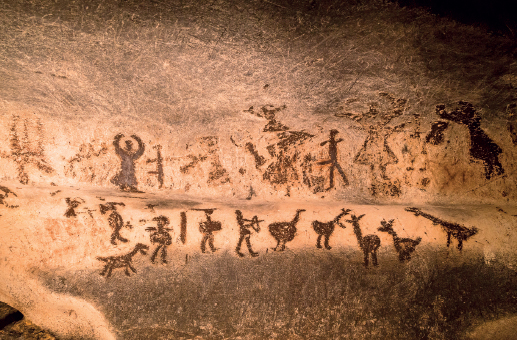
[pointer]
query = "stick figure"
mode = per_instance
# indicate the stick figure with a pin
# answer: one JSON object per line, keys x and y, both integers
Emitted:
{"x": 126, "y": 178}
{"x": 115, "y": 221}
{"x": 161, "y": 237}
{"x": 72, "y": 204}
{"x": 245, "y": 232}
{"x": 333, "y": 159}
{"x": 207, "y": 228}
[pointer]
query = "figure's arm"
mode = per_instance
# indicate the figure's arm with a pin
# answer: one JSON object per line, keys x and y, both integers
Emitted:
{"x": 323, "y": 143}
{"x": 116, "y": 143}
{"x": 141, "y": 146}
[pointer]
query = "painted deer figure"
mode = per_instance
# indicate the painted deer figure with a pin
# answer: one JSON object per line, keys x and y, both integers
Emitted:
{"x": 325, "y": 229}
{"x": 458, "y": 231}
{"x": 403, "y": 246}
{"x": 368, "y": 244}
{"x": 284, "y": 231}
{"x": 122, "y": 261}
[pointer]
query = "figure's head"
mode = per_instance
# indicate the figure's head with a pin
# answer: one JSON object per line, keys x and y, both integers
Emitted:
{"x": 129, "y": 145}
{"x": 162, "y": 221}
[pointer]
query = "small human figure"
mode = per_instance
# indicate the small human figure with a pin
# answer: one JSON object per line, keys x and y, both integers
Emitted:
{"x": 115, "y": 221}
{"x": 126, "y": 178}
{"x": 207, "y": 228}
{"x": 333, "y": 158}
{"x": 160, "y": 236}
{"x": 245, "y": 232}
{"x": 72, "y": 204}
{"x": 4, "y": 195}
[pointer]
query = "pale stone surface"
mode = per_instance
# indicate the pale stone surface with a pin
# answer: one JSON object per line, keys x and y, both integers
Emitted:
{"x": 290, "y": 185}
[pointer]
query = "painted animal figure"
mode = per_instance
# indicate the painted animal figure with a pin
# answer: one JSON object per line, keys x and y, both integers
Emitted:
{"x": 369, "y": 244}
{"x": 284, "y": 232}
{"x": 122, "y": 261}
{"x": 403, "y": 246}
{"x": 458, "y": 231}
{"x": 325, "y": 229}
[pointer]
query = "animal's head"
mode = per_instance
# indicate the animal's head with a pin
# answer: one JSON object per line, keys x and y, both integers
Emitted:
{"x": 386, "y": 226}
{"x": 142, "y": 248}
{"x": 300, "y": 210}
{"x": 355, "y": 219}
{"x": 469, "y": 233}
{"x": 413, "y": 210}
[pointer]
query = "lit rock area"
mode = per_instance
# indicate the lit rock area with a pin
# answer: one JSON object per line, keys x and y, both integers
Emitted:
{"x": 255, "y": 170}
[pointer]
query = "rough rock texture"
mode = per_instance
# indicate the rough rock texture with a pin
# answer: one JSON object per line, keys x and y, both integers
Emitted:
{"x": 255, "y": 169}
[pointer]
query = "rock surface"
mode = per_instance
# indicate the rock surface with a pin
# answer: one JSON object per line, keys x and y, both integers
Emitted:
{"x": 308, "y": 170}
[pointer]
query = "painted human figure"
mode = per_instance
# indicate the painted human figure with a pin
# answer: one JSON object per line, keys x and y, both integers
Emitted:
{"x": 126, "y": 178}
{"x": 332, "y": 142}
{"x": 72, "y": 204}
{"x": 245, "y": 232}
{"x": 207, "y": 228}
{"x": 115, "y": 221}
{"x": 160, "y": 236}
{"x": 482, "y": 147}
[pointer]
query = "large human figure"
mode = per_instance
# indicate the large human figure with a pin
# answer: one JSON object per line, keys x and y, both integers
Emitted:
{"x": 126, "y": 179}
{"x": 332, "y": 142}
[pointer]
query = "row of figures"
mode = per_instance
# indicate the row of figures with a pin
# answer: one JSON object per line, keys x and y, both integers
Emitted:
{"x": 283, "y": 232}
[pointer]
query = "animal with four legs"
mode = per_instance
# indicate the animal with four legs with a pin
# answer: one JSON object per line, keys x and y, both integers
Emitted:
{"x": 325, "y": 229}
{"x": 369, "y": 244}
{"x": 284, "y": 231}
{"x": 459, "y": 232}
{"x": 403, "y": 246}
{"x": 122, "y": 261}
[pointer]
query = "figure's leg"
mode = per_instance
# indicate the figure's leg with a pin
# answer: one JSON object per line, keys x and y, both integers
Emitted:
{"x": 120, "y": 238}
{"x": 327, "y": 242}
{"x": 374, "y": 258}
{"x": 203, "y": 242}
{"x": 365, "y": 259}
{"x": 248, "y": 243}
{"x": 155, "y": 253}
{"x": 211, "y": 242}
{"x": 238, "y": 249}
{"x": 164, "y": 254}
{"x": 331, "y": 177}
{"x": 342, "y": 173}
{"x": 113, "y": 239}
{"x": 318, "y": 242}
{"x": 283, "y": 245}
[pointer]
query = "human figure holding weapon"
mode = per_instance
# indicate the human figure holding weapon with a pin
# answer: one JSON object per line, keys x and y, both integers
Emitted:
{"x": 245, "y": 232}
{"x": 160, "y": 236}
{"x": 207, "y": 228}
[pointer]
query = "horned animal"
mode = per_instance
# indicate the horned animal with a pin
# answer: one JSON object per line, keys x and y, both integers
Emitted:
{"x": 403, "y": 246}
{"x": 368, "y": 244}
{"x": 284, "y": 231}
{"x": 325, "y": 229}
{"x": 458, "y": 231}
{"x": 122, "y": 261}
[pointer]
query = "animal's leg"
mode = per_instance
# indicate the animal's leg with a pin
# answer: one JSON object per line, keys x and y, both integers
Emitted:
{"x": 248, "y": 243}
{"x": 238, "y": 249}
{"x": 283, "y": 246}
{"x": 318, "y": 243}
{"x": 365, "y": 259}
{"x": 460, "y": 243}
{"x": 327, "y": 242}
{"x": 374, "y": 258}
{"x": 211, "y": 242}
{"x": 110, "y": 269}
{"x": 155, "y": 253}
{"x": 131, "y": 267}
{"x": 448, "y": 239}
{"x": 104, "y": 270}
{"x": 127, "y": 271}
{"x": 277, "y": 245}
